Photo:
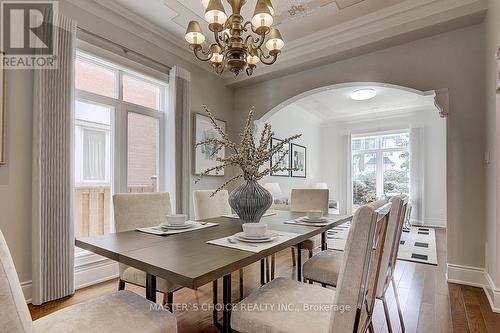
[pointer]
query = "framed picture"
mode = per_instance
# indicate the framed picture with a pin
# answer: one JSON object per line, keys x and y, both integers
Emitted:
{"x": 283, "y": 164}
{"x": 205, "y": 155}
{"x": 298, "y": 160}
{"x": 2, "y": 111}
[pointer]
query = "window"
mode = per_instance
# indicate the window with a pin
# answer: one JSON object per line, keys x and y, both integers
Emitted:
{"x": 119, "y": 138}
{"x": 380, "y": 165}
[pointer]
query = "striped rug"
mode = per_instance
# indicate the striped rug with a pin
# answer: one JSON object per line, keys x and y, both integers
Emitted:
{"x": 418, "y": 244}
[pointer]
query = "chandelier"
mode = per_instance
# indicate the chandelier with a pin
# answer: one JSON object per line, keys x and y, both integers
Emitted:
{"x": 238, "y": 45}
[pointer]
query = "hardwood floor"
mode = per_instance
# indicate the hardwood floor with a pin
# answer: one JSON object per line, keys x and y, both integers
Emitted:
{"x": 429, "y": 303}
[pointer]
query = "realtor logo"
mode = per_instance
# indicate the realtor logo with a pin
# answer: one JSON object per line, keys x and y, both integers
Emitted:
{"x": 28, "y": 34}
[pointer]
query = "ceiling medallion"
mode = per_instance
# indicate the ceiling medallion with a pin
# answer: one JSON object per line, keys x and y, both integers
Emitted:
{"x": 238, "y": 45}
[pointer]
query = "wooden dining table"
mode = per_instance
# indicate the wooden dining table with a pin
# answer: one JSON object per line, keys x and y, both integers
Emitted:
{"x": 186, "y": 258}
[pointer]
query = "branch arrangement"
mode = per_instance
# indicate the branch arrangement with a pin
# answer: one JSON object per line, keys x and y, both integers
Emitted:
{"x": 249, "y": 155}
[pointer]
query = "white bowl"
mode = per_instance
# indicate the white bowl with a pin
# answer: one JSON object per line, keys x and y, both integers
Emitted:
{"x": 314, "y": 214}
{"x": 255, "y": 229}
{"x": 176, "y": 219}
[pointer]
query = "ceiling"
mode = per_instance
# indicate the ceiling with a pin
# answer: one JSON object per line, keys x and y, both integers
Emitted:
{"x": 315, "y": 31}
{"x": 295, "y": 18}
{"x": 336, "y": 105}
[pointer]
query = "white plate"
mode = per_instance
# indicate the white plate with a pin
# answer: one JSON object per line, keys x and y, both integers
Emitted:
{"x": 241, "y": 237}
{"x": 306, "y": 219}
{"x": 268, "y": 235}
{"x": 181, "y": 226}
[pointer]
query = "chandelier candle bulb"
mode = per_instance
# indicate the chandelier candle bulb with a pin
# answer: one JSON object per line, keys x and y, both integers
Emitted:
{"x": 215, "y": 13}
{"x": 194, "y": 35}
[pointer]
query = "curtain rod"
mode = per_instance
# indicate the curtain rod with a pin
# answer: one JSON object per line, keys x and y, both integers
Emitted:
{"x": 125, "y": 50}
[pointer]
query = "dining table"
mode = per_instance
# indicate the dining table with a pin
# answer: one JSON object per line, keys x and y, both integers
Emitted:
{"x": 188, "y": 260}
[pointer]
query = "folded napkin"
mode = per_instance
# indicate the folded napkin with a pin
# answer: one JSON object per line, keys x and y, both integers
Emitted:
{"x": 253, "y": 247}
{"x": 157, "y": 230}
{"x": 235, "y": 216}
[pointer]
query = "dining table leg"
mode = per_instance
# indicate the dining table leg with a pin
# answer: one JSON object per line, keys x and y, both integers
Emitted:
{"x": 151, "y": 287}
{"x": 299, "y": 262}
{"x": 226, "y": 303}
{"x": 324, "y": 245}
{"x": 215, "y": 313}
{"x": 262, "y": 272}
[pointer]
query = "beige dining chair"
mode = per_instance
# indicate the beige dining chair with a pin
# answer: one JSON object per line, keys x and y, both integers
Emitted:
{"x": 122, "y": 311}
{"x": 324, "y": 267}
{"x": 208, "y": 206}
{"x": 289, "y": 300}
{"x": 303, "y": 200}
{"x": 139, "y": 210}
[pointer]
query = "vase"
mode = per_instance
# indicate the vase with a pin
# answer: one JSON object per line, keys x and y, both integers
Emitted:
{"x": 250, "y": 201}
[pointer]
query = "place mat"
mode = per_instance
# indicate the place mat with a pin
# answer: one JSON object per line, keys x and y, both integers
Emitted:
{"x": 298, "y": 221}
{"x": 235, "y": 216}
{"x": 254, "y": 247}
{"x": 157, "y": 230}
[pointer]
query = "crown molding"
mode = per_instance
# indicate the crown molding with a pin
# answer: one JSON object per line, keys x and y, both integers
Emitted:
{"x": 140, "y": 27}
{"x": 405, "y": 17}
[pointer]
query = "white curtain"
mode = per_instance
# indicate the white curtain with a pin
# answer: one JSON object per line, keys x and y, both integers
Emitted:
{"x": 416, "y": 175}
{"x": 346, "y": 204}
{"x": 52, "y": 232}
{"x": 181, "y": 119}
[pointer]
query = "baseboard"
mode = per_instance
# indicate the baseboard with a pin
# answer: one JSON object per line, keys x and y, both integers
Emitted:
{"x": 96, "y": 273}
{"x": 26, "y": 286}
{"x": 475, "y": 277}
{"x": 85, "y": 275}
{"x": 430, "y": 222}
{"x": 493, "y": 293}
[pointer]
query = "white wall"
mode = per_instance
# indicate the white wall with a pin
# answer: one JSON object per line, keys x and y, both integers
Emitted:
{"x": 434, "y": 148}
{"x": 286, "y": 123}
{"x": 492, "y": 169}
{"x": 15, "y": 176}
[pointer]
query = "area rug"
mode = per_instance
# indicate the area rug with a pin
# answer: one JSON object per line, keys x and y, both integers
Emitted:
{"x": 418, "y": 244}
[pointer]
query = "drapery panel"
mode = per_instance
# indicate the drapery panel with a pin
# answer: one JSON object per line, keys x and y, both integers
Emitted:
{"x": 180, "y": 109}
{"x": 416, "y": 175}
{"x": 52, "y": 232}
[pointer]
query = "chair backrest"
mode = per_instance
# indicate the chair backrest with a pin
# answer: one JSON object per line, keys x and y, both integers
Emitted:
{"x": 138, "y": 210}
{"x": 358, "y": 269}
{"x": 386, "y": 268}
{"x": 15, "y": 316}
{"x": 401, "y": 223}
{"x": 303, "y": 200}
{"x": 207, "y": 206}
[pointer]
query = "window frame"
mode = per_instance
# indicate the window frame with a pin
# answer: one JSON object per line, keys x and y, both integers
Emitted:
{"x": 379, "y": 153}
{"x": 120, "y": 110}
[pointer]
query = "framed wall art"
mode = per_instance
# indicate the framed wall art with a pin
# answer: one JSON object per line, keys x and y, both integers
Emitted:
{"x": 283, "y": 164}
{"x": 205, "y": 155}
{"x": 298, "y": 160}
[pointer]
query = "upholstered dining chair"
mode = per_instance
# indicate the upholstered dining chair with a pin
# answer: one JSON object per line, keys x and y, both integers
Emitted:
{"x": 324, "y": 267}
{"x": 303, "y": 200}
{"x": 343, "y": 310}
{"x": 122, "y": 311}
{"x": 139, "y": 210}
{"x": 207, "y": 206}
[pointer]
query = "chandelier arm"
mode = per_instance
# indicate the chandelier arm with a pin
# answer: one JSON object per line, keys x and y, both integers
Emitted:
{"x": 217, "y": 40}
{"x": 273, "y": 57}
{"x": 245, "y": 26}
{"x": 198, "y": 50}
{"x": 261, "y": 40}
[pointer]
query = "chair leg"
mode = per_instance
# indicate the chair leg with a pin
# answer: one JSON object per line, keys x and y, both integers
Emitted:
{"x": 273, "y": 265}
{"x": 268, "y": 270}
{"x": 168, "y": 300}
{"x": 387, "y": 315}
{"x": 370, "y": 327}
{"x": 121, "y": 285}
{"x": 400, "y": 313}
{"x": 294, "y": 263}
{"x": 241, "y": 284}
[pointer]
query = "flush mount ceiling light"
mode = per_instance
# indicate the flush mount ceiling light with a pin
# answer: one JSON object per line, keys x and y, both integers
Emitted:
{"x": 363, "y": 94}
{"x": 238, "y": 44}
